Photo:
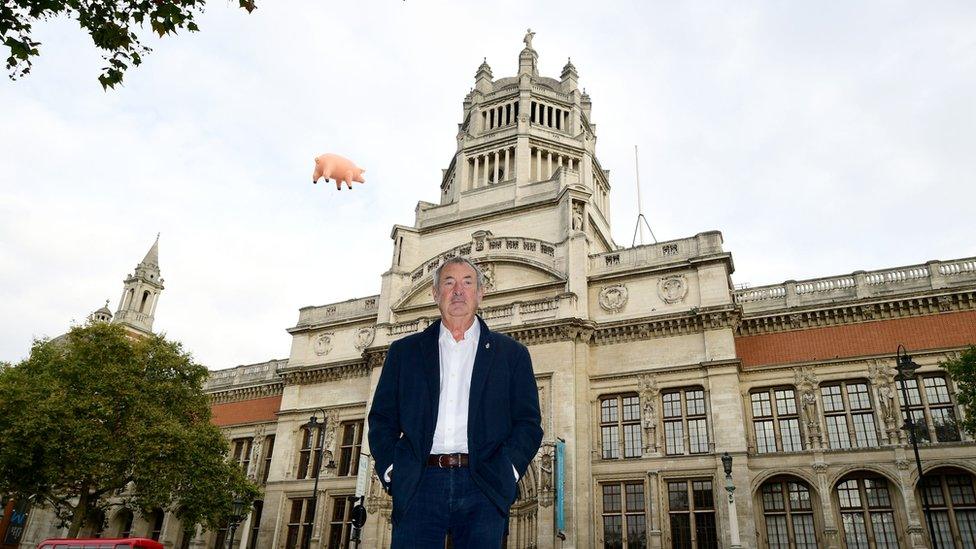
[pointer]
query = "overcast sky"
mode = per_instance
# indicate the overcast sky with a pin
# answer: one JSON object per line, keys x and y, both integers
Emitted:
{"x": 820, "y": 139}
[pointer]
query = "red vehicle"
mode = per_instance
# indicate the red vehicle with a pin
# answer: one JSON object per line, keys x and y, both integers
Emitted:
{"x": 100, "y": 543}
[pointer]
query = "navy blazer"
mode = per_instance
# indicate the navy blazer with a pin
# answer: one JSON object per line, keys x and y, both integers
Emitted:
{"x": 504, "y": 425}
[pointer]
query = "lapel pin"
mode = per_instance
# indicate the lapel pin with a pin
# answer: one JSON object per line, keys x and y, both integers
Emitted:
{"x": 487, "y": 345}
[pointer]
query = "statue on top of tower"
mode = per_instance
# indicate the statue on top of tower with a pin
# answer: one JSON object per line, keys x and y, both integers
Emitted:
{"x": 528, "y": 38}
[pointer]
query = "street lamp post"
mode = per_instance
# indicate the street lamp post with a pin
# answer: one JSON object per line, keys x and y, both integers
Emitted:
{"x": 236, "y": 516}
{"x": 314, "y": 426}
{"x": 730, "y": 488}
{"x": 906, "y": 371}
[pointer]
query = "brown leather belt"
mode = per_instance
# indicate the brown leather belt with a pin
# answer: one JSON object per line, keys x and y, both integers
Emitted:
{"x": 447, "y": 461}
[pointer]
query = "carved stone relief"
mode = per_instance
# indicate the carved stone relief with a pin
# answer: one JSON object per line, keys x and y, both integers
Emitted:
{"x": 613, "y": 298}
{"x": 323, "y": 344}
{"x": 672, "y": 289}
{"x": 806, "y": 383}
{"x": 488, "y": 270}
{"x": 364, "y": 337}
{"x": 577, "y": 216}
{"x": 647, "y": 386}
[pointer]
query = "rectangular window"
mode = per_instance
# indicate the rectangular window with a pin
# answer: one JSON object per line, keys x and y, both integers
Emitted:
{"x": 848, "y": 415}
{"x": 352, "y": 440}
{"x": 252, "y": 542}
{"x": 691, "y": 512}
{"x": 685, "y": 422}
{"x": 299, "y": 522}
{"x": 934, "y": 405}
{"x": 777, "y": 428}
{"x": 242, "y": 451}
{"x": 268, "y": 451}
{"x": 624, "y": 522}
{"x": 621, "y": 413}
{"x": 340, "y": 524}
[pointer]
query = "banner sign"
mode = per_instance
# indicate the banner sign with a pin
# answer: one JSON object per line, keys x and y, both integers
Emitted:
{"x": 560, "y": 486}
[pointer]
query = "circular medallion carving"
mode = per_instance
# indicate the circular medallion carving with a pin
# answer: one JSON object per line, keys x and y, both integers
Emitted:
{"x": 364, "y": 337}
{"x": 322, "y": 344}
{"x": 613, "y": 298}
{"x": 672, "y": 289}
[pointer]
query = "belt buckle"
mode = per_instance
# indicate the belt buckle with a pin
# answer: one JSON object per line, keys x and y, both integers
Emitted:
{"x": 440, "y": 461}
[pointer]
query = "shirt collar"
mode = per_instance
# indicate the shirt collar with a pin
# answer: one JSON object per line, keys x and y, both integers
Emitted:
{"x": 471, "y": 334}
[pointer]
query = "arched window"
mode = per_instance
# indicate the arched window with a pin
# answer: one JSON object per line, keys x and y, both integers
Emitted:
{"x": 788, "y": 513}
{"x": 145, "y": 300}
{"x": 124, "y": 520}
{"x": 952, "y": 500}
{"x": 867, "y": 513}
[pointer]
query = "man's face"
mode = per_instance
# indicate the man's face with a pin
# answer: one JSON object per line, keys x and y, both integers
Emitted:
{"x": 458, "y": 296}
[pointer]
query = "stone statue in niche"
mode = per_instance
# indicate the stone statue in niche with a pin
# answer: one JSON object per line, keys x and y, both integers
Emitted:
{"x": 577, "y": 216}
{"x": 886, "y": 400}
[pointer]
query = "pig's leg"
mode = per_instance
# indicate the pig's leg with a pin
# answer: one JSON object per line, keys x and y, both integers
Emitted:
{"x": 349, "y": 179}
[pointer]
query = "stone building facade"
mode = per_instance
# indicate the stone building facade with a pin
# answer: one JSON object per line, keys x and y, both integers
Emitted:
{"x": 650, "y": 366}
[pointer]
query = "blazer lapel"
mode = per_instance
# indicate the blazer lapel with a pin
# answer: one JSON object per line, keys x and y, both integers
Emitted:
{"x": 479, "y": 376}
{"x": 432, "y": 370}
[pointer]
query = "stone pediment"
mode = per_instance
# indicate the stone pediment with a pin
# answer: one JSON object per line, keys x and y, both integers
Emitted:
{"x": 509, "y": 263}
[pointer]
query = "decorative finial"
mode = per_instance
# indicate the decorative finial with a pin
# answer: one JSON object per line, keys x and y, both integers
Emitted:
{"x": 106, "y": 303}
{"x": 528, "y": 38}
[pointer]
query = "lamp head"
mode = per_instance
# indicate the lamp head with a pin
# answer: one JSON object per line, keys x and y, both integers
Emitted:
{"x": 727, "y": 464}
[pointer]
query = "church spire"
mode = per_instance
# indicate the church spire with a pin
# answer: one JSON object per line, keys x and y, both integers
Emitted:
{"x": 140, "y": 293}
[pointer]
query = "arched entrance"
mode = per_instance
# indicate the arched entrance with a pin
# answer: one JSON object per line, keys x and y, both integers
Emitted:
{"x": 789, "y": 513}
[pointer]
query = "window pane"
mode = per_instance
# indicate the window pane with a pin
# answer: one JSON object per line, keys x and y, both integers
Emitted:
{"x": 636, "y": 532}
{"x": 789, "y": 430}
{"x": 611, "y": 498}
{"x": 877, "y": 493}
{"x": 777, "y": 535}
{"x": 672, "y": 405}
{"x": 850, "y": 497}
{"x": 943, "y": 532}
{"x": 765, "y": 437}
{"x": 608, "y": 410}
{"x": 611, "y": 442}
{"x": 857, "y": 395}
{"x": 837, "y": 436}
{"x": 696, "y": 402}
{"x": 785, "y": 402}
{"x": 697, "y": 436}
{"x": 914, "y": 399}
{"x": 961, "y": 489}
{"x": 674, "y": 442}
{"x": 803, "y": 532}
{"x": 936, "y": 391}
{"x": 933, "y": 490}
{"x": 967, "y": 527}
{"x": 945, "y": 424}
{"x": 703, "y": 494}
{"x": 760, "y": 405}
{"x": 680, "y": 531}
{"x": 854, "y": 532}
{"x": 635, "y": 497}
{"x": 631, "y": 408}
{"x": 632, "y": 440}
{"x": 772, "y": 497}
{"x": 865, "y": 435}
{"x": 612, "y": 535}
{"x": 705, "y": 531}
{"x": 678, "y": 496}
{"x": 832, "y": 400}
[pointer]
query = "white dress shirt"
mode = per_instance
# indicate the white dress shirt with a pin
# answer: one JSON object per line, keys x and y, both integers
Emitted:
{"x": 456, "y": 366}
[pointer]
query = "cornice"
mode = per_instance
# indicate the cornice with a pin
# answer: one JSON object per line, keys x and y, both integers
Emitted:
{"x": 677, "y": 324}
{"x": 857, "y": 312}
{"x": 319, "y": 373}
{"x": 252, "y": 392}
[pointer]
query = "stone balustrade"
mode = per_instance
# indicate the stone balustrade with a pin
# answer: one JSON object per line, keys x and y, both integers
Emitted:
{"x": 333, "y": 312}
{"x": 933, "y": 275}
{"x": 248, "y": 374}
{"x": 662, "y": 253}
{"x": 539, "y": 251}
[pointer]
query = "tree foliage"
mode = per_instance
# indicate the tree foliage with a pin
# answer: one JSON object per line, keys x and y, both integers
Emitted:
{"x": 112, "y": 24}
{"x": 962, "y": 370}
{"x": 98, "y": 419}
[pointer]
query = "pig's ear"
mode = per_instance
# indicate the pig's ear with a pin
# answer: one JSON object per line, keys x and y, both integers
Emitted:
{"x": 362, "y": 171}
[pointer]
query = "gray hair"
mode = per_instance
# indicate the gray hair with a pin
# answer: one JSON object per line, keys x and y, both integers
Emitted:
{"x": 458, "y": 260}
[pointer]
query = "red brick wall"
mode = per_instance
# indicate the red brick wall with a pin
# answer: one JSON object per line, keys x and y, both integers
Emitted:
{"x": 851, "y": 340}
{"x": 247, "y": 411}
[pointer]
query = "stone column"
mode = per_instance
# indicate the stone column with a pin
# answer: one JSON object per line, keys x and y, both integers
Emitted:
{"x": 538, "y": 164}
{"x": 474, "y": 175}
{"x": 484, "y": 180}
{"x": 654, "y": 537}
{"x": 508, "y": 173}
{"x": 495, "y": 155}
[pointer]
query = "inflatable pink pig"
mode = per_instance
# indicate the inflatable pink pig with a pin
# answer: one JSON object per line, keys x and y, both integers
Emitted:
{"x": 333, "y": 166}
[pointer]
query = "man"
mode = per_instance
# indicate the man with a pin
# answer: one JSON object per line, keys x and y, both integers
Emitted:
{"x": 454, "y": 422}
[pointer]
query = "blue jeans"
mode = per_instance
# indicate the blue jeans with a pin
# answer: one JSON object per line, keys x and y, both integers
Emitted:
{"x": 447, "y": 500}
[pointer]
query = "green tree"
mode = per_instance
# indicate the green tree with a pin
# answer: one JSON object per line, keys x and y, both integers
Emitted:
{"x": 962, "y": 370}
{"x": 99, "y": 419}
{"x": 112, "y": 24}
